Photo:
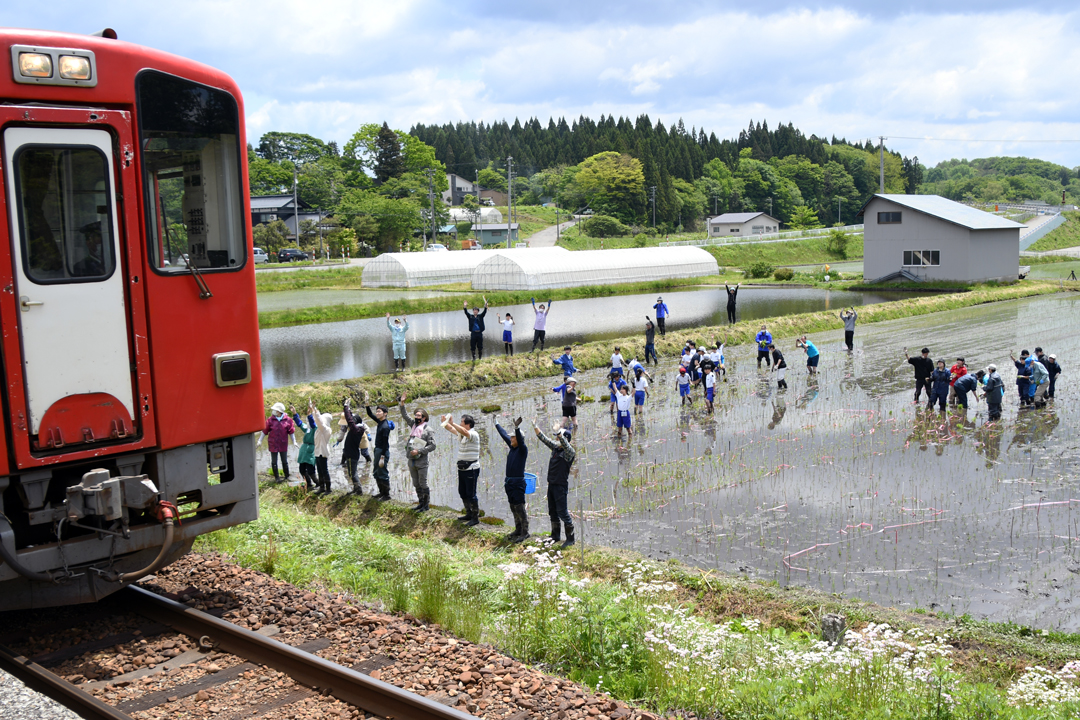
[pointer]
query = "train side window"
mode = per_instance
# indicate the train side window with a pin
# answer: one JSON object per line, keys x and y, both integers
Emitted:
{"x": 189, "y": 139}
{"x": 64, "y": 214}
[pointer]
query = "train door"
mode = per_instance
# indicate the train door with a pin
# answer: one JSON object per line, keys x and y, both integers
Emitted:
{"x": 69, "y": 285}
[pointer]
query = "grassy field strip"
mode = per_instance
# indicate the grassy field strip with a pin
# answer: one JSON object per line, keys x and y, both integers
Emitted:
{"x": 663, "y": 636}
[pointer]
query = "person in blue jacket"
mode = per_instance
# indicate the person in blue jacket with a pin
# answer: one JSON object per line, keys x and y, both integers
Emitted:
{"x": 967, "y": 384}
{"x": 476, "y": 329}
{"x": 662, "y": 312}
{"x": 514, "y": 484}
{"x": 763, "y": 338}
{"x": 398, "y": 328}
{"x": 939, "y": 386}
{"x": 566, "y": 362}
{"x": 1023, "y": 375}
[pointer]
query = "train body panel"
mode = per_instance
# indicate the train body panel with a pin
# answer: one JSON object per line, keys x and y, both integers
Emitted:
{"x": 129, "y": 324}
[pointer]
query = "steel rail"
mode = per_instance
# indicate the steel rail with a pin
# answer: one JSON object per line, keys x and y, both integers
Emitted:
{"x": 366, "y": 693}
{"x": 52, "y": 685}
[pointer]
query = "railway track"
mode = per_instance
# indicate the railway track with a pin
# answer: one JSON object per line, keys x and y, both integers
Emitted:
{"x": 316, "y": 674}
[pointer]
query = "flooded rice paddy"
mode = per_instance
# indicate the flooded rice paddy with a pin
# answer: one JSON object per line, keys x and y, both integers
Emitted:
{"x": 319, "y": 297}
{"x": 330, "y": 351}
{"x": 839, "y": 483}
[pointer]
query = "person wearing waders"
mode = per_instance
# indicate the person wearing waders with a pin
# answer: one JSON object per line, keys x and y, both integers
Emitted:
{"x": 967, "y": 383}
{"x": 993, "y": 391}
{"x": 732, "y": 293}
{"x": 662, "y": 312}
{"x": 566, "y": 362}
{"x": 924, "y": 368}
{"x": 558, "y": 478}
{"x": 1023, "y": 375}
{"x": 350, "y": 452}
{"x": 569, "y": 401}
{"x": 1040, "y": 382}
{"x": 306, "y": 457}
{"x": 763, "y": 338}
{"x": 1054, "y": 369}
{"x": 421, "y": 444}
{"x": 279, "y": 427}
{"x": 508, "y": 335}
{"x": 540, "y": 324}
{"x": 514, "y": 484}
{"x": 476, "y": 329}
{"x": 779, "y": 366}
{"x": 849, "y": 317}
{"x": 650, "y": 341}
{"x": 939, "y": 383}
{"x": 323, "y": 432}
{"x": 468, "y": 465}
{"x": 381, "y": 471}
{"x": 397, "y": 333}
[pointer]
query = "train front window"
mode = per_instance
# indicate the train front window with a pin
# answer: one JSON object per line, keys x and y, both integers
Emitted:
{"x": 64, "y": 210}
{"x": 189, "y": 139}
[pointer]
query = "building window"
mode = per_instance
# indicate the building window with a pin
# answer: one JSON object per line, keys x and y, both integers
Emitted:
{"x": 734, "y": 230}
{"x": 922, "y": 258}
{"x": 888, "y": 218}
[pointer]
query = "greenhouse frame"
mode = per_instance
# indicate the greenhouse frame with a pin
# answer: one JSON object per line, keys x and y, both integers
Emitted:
{"x": 419, "y": 269}
{"x": 541, "y": 269}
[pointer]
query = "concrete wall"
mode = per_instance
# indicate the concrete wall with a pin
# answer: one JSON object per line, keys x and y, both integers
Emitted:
{"x": 965, "y": 254}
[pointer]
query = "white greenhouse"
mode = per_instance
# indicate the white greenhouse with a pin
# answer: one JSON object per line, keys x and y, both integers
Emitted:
{"x": 487, "y": 215}
{"x": 541, "y": 269}
{"x": 417, "y": 269}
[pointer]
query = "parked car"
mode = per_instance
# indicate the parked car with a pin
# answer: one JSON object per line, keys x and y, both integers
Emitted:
{"x": 436, "y": 247}
{"x": 259, "y": 256}
{"x": 291, "y": 255}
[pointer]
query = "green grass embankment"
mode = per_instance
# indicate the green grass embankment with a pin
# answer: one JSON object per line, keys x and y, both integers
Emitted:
{"x": 342, "y": 277}
{"x": 1066, "y": 235}
{"x": 499, "y": 370}
{"x": 532, "y": 218}
{"x": 664, "y": 636}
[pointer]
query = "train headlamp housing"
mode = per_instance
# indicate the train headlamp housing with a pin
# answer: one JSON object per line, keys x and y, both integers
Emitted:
{"x": 33, "y": 65}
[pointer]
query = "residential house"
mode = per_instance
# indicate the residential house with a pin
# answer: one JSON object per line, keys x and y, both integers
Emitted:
{"x": 742, "y": 224}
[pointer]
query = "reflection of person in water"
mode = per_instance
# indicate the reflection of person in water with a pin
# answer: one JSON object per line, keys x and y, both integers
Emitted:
{"x": 920, "y": 429}
{"x": 779, "y": 407}
{"x": 1033, "y": 428}
{"x": 988, "y": 439}
{"x": 93, "y": 265}
{"x": 811, "y": 392}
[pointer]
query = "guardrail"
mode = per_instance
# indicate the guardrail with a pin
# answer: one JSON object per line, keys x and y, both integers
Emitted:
{"x": 766, "y": 237}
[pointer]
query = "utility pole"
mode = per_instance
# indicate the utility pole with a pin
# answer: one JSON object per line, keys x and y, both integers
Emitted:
{"x": 881, "y": 154}
{"x": 770, "y": 206}
{"x": 839, "y": 217}
{"x": 430, "y": 172}
{"x": 557, "y": 219}
{"x": 652, "y": 196}
{"x": 509, "y": 196}
{"x": 295, "y": 206}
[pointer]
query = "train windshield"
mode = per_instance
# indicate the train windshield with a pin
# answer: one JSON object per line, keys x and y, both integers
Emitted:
{"x": 189, "y": 139}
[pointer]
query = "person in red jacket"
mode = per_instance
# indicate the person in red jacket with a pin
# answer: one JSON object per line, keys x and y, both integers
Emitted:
{"x": 956, "y": 372}
{"x": 279, "y": 427}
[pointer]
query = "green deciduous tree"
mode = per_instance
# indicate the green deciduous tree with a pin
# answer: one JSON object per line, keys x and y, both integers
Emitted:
{"x": 613, "y": 183}
{"x": 804, "y": 218}
{"x": 393, "y": 219}
{"x": 271, "y": 237}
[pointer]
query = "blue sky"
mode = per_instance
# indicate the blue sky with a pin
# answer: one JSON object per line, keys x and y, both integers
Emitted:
{"x": 939, "y": 79}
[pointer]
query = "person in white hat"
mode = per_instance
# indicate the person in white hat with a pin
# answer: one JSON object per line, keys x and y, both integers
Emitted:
{"x": 279, "y": 427}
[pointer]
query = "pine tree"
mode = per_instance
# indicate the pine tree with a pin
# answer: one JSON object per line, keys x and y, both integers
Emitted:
{"x": 388, "y": 160}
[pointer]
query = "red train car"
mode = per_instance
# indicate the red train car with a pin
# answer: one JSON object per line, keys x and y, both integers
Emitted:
{"x": 130, "y": 347}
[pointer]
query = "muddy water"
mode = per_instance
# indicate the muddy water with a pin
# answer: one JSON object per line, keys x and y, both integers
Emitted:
{"x": 838, "y": 483}
{"x": 330, "y": 351}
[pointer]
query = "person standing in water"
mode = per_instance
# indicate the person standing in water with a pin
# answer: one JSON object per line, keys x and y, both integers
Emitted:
{"x": 398, "y": 328}
{"x": 731, "y": 295}
{"x": 849, "y": 317}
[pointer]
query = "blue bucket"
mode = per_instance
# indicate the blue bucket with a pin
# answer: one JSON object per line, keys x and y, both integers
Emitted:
{"x": 530, "y": 483}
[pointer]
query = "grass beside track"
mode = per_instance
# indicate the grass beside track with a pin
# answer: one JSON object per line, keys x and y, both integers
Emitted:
{"x": 341, "y": 277}
{"x": 499, "y": 370}
{"x": 663, "y": 635}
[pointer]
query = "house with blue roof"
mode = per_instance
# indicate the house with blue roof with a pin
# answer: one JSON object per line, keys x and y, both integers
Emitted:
{"x": 928, "y": 237}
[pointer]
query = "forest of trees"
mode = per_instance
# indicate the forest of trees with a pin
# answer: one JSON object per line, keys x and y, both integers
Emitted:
{"x": 376, "y": 188}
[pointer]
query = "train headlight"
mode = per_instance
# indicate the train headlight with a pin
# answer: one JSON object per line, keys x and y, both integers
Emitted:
{"x": 74, "y": 67}
{"x": 35, "y": 65}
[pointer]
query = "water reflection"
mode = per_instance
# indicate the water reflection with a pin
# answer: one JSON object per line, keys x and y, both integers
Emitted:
{"x": 330, "y": 351}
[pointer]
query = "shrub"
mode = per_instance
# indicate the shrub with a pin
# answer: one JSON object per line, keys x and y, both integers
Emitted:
{"x": 783, "y": 273}
{"x": 760, "y": 270}
{"x": 837, "y": 243}
{"x": 640, "y": 240}
{"x": 601, "y": 226}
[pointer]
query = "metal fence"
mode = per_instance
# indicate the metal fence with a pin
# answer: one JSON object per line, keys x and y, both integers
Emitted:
{"x": 767, "y": 237}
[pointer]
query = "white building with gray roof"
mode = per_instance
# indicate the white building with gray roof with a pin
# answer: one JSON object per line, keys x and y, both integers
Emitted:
{"x": 742, "y": 224}
{"x": 929, "y": 237}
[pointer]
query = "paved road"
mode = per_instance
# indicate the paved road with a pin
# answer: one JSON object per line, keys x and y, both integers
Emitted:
{"x": 546, "y": 237}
